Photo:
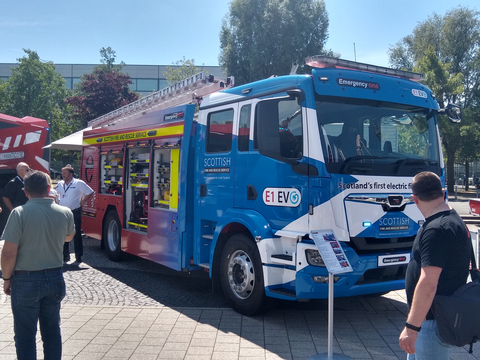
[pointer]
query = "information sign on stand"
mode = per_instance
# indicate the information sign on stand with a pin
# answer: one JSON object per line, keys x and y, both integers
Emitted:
{"x": 336, "y": 262}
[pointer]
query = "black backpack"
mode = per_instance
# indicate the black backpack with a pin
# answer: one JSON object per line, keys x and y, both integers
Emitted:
{"x": 458, "y": 315}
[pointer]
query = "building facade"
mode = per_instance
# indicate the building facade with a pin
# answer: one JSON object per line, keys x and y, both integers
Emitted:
{"x": 146, "y": 78}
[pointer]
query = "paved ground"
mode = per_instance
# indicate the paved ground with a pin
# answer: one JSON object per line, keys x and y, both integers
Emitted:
{"x": 139, "y": 310}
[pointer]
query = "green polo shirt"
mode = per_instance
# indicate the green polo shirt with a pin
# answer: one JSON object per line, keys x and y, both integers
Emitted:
{"x": 39, "y": 228}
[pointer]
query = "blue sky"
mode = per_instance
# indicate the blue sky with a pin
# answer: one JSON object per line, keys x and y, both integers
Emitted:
{"x": 163, "y": 31}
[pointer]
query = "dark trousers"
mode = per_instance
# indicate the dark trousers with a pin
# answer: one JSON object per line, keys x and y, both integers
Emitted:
{"x": 36, "y": 297}
{"x": 77, "y": 240}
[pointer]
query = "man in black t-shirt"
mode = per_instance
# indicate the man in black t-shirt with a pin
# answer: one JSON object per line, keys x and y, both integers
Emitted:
{"x": 13, "y": 194}
{"x": 439, "y": 266}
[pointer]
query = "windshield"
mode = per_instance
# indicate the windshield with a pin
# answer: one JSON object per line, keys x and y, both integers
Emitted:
{"x": 377, "y": 138}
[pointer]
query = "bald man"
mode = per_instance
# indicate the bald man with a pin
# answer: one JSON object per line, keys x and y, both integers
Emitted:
{"x": 13, "y": 194}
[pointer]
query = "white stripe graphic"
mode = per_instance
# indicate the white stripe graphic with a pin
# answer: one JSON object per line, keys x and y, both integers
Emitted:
{"x": 17, "y": 140}
{"x": 6, "y": 144}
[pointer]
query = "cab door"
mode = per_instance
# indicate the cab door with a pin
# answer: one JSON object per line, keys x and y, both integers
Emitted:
{"x": 215, "y": 164}
{"x": 272, "y": 176}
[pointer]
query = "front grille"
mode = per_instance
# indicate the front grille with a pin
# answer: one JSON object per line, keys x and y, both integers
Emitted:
{"x": 388, "y": 273}
{"x": 371, "y": 245}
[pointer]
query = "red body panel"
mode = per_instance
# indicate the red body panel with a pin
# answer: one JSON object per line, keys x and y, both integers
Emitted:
{"x": 475, "y": 206}
{"x": 22, "y": 140}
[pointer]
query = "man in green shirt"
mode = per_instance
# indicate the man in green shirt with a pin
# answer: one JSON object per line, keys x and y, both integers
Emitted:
{"x": 31, "y": 261}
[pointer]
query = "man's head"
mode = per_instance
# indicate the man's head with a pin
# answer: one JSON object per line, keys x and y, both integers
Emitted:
{"x": 36, "y": 184}
{"x": 67, "y": 173}
{"x": 22, "y": 169}
{"x": 427, "y": 186}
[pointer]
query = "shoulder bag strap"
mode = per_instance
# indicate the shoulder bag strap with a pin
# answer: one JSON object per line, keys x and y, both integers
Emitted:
{"x": 474, "y": 272}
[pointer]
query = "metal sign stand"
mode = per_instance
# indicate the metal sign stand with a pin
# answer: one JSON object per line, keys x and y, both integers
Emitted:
{"x": 330, "y": 354}
{"x": 336, "y": 262}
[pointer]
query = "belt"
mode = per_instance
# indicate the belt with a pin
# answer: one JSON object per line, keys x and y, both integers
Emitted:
{"x": 18, "y": 272}
{"x": 77, "y": 209}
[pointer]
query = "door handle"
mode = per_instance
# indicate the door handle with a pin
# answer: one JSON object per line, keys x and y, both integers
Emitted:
{"x": 251, "y": 192}
{"x": 203, "y": 190}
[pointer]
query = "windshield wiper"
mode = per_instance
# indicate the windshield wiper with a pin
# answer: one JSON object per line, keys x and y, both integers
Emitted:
{"x": 409, "y": 161}
{"x": 353, "y": 159}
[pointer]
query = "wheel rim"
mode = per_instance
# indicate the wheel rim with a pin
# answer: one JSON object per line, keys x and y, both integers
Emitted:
{"x": 112, "y": 235}
{"x": 241, "y": 274}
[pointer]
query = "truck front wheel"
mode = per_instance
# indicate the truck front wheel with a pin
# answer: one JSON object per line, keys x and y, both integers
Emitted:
{"x": 241, "y": 276}
{"x": 112, "y": 236}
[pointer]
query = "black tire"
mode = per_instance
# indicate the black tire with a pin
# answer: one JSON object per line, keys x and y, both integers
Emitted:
{"x": 112, "y": 236}
{"x": 241, "y": 276}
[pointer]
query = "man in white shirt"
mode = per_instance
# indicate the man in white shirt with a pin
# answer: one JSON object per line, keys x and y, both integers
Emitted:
{"x": 73, "y": 193}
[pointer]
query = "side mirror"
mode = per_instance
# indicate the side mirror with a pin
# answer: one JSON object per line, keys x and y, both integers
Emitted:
{"x": 453, "y": 112}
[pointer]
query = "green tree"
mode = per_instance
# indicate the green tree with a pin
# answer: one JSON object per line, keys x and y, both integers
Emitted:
{"x": 104, "y": 90}
{"x": 183, "y": 68}
{"x": 261, "y": 38}
{"x": 469, "y": 149}
{"x": 107, "y": 58}
{"x": 445, "y": 86}
{"x": 447, "y": 50}
{"x": 35, "y": 89}
{"x": 3, "y": 96}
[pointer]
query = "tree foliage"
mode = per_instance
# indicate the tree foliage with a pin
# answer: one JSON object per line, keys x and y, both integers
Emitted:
{"x": 261, "y": 38}
{"x": 3, "y": 96}
{"x": 183, "y": 68}
{"x": 104, "y": 90}
{"x": 455, "y": 39}
{"x": 447, "y": 50}
{"x": 35, "y": 89}
{"x": 107, "y": 58}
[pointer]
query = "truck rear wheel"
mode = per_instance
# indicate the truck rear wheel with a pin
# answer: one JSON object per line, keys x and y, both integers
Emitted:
{"x": 112, "y": 236}
{"x": 241, "y": 276}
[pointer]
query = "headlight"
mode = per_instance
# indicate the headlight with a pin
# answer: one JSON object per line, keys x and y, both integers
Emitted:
{"x": 314, "y": 258}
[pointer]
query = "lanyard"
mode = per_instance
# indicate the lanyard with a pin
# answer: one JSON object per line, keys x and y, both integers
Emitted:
{"x": 21, "y": 180}
{"x": 68, "y": 187}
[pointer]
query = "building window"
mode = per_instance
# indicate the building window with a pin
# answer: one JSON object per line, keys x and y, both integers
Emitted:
{"x": 68, "y": 83}
{"x": 163, "y": 84}
{"x": 133, "y": 85}
{"x": 75, "y": 81}
{"x": 147, "y": 85}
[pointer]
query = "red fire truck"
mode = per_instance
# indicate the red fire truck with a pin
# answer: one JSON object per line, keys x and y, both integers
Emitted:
{"x": 21, "y": 140}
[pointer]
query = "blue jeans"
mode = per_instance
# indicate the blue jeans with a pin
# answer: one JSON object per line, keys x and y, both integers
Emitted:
{"x": 37, "y": 296}
{"x": 428, "y": 345}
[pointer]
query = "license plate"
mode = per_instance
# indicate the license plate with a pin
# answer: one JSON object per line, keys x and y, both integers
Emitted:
{"x": 390, "y": 260}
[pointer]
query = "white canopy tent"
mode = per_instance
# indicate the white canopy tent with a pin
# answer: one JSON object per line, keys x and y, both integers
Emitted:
{"x": 70, "y": 142}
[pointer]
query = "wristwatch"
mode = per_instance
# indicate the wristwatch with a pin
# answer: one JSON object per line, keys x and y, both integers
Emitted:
{"x": 413, "y": 327}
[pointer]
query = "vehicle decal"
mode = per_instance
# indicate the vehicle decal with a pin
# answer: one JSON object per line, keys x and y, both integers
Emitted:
{"x": 368, "y": 85}
{"x": 419, "y": 93}
{"x": 287, "y": 197}
{"x": 135, "y": 135}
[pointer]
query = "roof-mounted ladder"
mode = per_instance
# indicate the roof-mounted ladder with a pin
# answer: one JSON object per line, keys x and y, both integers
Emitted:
{"x": 187, "y": 91}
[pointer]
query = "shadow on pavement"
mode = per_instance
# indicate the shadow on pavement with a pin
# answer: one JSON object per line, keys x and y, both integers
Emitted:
{"x": 136, "y": 281}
